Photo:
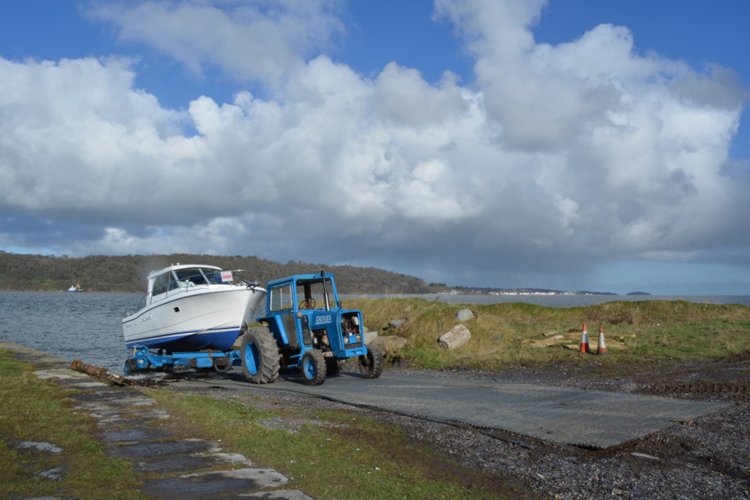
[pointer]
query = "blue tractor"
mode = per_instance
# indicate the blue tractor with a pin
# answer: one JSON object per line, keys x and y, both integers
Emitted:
{"x": 305, "y": 326}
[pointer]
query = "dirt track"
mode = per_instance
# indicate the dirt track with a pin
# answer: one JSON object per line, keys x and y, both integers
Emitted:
{"x": 705, "y": 458}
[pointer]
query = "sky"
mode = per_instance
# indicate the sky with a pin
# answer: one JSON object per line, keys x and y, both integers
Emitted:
{"x": 566, "y": 144}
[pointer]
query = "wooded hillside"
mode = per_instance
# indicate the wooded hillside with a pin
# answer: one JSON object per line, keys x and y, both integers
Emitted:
{"x": 128, "y": 273}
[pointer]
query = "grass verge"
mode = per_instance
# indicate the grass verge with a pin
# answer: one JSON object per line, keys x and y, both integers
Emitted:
{"x": 36, "y": 411}
{"x": 331, "y": 454}
{"x": 502, "y": 334}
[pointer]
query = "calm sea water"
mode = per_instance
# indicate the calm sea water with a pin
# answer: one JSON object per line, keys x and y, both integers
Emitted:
{"x": 87, "y": 325}
{"x": 69, "y": 325}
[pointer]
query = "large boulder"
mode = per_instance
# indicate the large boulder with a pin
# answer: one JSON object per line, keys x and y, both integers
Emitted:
{"x": 397, "y": 323}
{"x": 455, "y": 337}
{"x": 370, "y": 337}
{"x": 391, "y": 343}
{"x": 464, "y": 315}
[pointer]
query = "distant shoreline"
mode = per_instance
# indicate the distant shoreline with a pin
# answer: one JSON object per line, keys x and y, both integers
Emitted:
{"x": 559, "y": 300}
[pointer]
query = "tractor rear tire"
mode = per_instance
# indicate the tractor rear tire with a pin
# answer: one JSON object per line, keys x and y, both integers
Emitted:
{"x": 313, "y": 367}
{"x": 371, "y": 364}
{"x": 260, "y": 356}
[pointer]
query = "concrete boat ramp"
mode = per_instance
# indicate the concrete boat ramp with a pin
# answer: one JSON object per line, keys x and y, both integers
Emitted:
{"x": 586, "y": 418}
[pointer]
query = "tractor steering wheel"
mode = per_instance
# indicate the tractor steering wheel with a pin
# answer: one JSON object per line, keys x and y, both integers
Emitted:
{"x": 307, "y": 303}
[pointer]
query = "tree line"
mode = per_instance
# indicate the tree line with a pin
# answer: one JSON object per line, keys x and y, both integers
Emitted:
{"x": 105, "y": 273}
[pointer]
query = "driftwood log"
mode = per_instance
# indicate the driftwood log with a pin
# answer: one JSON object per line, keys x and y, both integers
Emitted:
{"x": 99, "y": 372}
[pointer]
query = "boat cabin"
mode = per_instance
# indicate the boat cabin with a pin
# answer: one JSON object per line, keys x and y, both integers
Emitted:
{"x": 185, "y": 277}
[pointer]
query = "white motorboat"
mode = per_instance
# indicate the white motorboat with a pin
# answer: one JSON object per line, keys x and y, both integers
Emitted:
{"x": 192, "y": 308}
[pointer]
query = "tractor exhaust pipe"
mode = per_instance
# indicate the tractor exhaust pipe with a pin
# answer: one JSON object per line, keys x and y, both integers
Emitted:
{"x": 326, "y": 302}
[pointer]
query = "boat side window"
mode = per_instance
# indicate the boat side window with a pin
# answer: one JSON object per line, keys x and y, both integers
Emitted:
{"x": 161, "y": 283}
{"x": 173, "y": 283}
{"x": 281, "y": 298}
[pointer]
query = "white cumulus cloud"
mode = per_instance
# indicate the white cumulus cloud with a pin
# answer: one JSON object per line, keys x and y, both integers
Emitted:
{"x": 257, "y": 39}
{"x": 552, "y": 159}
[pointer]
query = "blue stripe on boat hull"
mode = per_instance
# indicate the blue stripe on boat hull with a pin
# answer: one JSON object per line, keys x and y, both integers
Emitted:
{"x": 220, "y": 340}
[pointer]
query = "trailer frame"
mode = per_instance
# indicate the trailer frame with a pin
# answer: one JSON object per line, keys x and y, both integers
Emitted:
{"x": 142, "y": 358}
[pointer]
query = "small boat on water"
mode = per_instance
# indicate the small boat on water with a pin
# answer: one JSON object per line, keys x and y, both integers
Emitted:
{"x": 75, "y": 288}
{"x": 192, "y": 308}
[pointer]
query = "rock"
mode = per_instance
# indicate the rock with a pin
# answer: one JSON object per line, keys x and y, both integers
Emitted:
{"x": 370, "y": 337}
{"x": 391, "y": 343}
{"x": 39, "y": 446}
{"x": 456, "y": 337}
{"x": 279, "y": 494}
{"x": 397, "y": 323}
{"x": 55, "y": 474}
{"x": 464, "y": 315}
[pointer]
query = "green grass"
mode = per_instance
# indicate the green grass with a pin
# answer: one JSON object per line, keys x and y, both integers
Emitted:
{"x": 33, "y": 410}
{"x": 501, "y": 332}
{"x": 343, "y": 454}
{"x": 337, "y": 454}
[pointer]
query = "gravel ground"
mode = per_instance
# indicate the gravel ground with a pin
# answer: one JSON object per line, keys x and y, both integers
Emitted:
{"x": 705, "y": 458}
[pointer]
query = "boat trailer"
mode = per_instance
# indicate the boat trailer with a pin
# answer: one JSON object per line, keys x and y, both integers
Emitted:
{"x": 142, "y": 358}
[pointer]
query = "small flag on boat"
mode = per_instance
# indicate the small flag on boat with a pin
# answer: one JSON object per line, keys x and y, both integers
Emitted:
{"x": 226, "y": 276}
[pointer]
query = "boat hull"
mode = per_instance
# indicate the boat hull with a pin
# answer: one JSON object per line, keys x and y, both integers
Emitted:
{"x": 194, "y": 319}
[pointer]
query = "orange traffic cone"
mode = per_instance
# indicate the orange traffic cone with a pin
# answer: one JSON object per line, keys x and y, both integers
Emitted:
{"x": 601, "y": 347}
{"x": 583, "y": 347}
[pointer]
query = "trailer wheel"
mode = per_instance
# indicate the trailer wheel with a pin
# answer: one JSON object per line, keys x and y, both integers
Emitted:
{"x": 371, "y": 364}
{"x": 260, "y": 356}
{"x": 313, "y": 367}
{"x": 222, "y": 365}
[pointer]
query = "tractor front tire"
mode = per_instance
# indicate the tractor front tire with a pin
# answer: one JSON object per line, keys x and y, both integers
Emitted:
{"x": 260, "y": 356}
{"x": 371, "y": 364}
{"x": 313, "y": 367}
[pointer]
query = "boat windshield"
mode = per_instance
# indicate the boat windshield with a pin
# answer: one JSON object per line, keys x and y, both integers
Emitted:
{"x": 198, "y": 276}
{"x": 185, "y": 278}
{"x": 213, "y": 276}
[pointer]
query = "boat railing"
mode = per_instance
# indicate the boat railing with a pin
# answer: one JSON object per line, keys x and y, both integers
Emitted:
{"x": 140, "y": 305}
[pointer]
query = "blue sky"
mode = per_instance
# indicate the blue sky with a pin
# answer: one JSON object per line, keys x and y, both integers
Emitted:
{"x": 570, "y": 144}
